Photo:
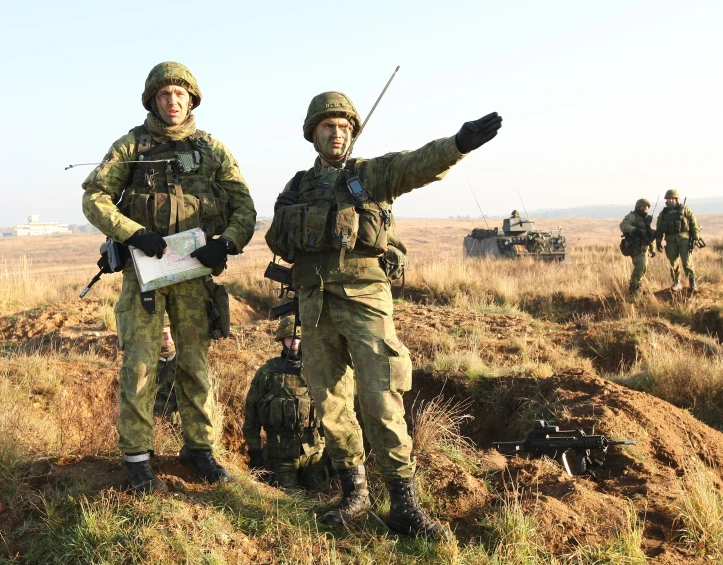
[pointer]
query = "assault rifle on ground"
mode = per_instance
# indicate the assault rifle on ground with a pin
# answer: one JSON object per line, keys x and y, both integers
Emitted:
{"x": 280, "y": 274}
{"x": 548, "y": 440}
{"x": 113, "y": 257}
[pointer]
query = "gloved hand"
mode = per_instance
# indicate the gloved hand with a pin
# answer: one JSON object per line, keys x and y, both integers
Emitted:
{"x": 691, "y": 245}
{"x": 474, "y": 134}
{"x": 151, "y": 243}
{"x": 213, "y": 254}
{"x": 256, "y": 458}
{"x": 659, "y": 247}
{"x": 288, "y": 198}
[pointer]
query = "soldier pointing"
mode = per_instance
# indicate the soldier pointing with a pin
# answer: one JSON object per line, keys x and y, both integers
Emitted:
{"x": 334, "y": 223}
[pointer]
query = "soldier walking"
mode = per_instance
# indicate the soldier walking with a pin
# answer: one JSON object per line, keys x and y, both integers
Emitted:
{"x": 279, "y": 401}
{"x": 678, "y": 224}
{"x": 139, "y": 203}
{"x": 639, "y": 237}
{"x": 334, "y": 223}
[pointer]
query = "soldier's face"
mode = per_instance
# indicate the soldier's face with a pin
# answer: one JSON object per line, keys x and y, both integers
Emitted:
{"x": 644, "y": 209}
{"x": 172, "y": 102}
{"x": 332, "y": 137}
{"x": 669, "y": 202}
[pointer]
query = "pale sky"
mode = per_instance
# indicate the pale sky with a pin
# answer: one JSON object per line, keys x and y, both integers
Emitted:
{"x": 603, "y": 102}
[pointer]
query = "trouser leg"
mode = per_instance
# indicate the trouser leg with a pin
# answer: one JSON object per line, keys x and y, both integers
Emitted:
{"x": 188, "y": 313}
{"x": 326, "y": 363}
{"x": 383, "y": 372}
{"x": 139, "y": 337}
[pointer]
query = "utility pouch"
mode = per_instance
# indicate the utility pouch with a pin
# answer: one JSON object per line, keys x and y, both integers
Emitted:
{"x": 276, "y": 413}
{"x": 373, "y": 227}
{"x": 289, "y": 413}
{"x": 625, "y": 247}
{"x": 394, "y": 261}
{"x": 346, "y": 228}
{"x": 304, "y": 412}
{"x": 314, "y": 225}
{"x": 219, "y": 311}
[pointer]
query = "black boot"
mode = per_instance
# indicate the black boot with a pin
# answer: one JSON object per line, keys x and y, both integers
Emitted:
{"x": 201, "y": 462}
{"x": 354, "y": 496}
{"x": 693, "y": 286}
{"x": 407, "y": 517}
{"x": 140, "y": 474}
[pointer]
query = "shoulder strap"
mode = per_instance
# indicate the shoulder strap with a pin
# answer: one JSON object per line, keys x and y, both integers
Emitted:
{"x": 296, "y": 183}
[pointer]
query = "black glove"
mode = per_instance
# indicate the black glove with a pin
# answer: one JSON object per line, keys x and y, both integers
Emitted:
{"x": 213, "y": 254}
{"x": 474, "y": 134}
{"x": 256, "y": 458}
{"x": 659, "y": 247}
{"x": 151, "y": 243}
{"x": 288, "y": 198}
{"x": 691, "y": 245}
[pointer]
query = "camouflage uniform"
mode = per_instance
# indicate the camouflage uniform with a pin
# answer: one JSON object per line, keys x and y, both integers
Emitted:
{"x": 120, "y": 199}
{"x": 337, "y": 242}
{"x": 679, "y": 226}
{"x": 346, "y": 305}
{"x": 279, "y": 401}
{"x": 636, "y": 226}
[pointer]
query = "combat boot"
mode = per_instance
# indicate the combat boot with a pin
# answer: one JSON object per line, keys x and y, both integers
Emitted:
{"x": 354, "y": 497}
{"x": 634, "y": 290}
{"x": 693, "y": 285}
{"x": 407, "y": 517}
{"x": 201, "y": 462}
{"x": 677, "y": 286}
{"x": 140, "y": 474}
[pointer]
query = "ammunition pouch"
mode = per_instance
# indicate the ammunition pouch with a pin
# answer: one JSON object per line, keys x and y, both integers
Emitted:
{"x": 219, "y": 310}
{"x": 394, "y": 262}
{"x": 290, "y": 414}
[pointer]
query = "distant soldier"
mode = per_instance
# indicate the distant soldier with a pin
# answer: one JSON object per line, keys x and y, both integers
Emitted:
{"x": 638, "y": 243}
{"x": 279, "y": 401}
{"x": 165, "y": 405}
{"x": 515, "y": 214}
{"x": 678, "y": 224}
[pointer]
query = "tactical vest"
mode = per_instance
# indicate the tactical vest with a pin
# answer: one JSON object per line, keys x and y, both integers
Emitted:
{"x": 168, "y": 197}
{"x": 287, "y": 406}
{"x": 330, "y": 234}
{"x": 674, "y": 220}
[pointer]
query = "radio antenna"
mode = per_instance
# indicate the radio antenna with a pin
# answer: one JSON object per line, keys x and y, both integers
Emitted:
{"x": 478, "y": 206}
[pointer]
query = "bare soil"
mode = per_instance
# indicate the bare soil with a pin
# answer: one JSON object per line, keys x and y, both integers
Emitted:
{"x": 572, "y": 510}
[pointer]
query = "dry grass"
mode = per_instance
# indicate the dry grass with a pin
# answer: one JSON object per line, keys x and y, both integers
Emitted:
{"x": 436, "y": 426}
{"x": 700, "y": 510}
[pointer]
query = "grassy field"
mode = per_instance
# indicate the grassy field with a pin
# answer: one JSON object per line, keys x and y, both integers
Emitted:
{"x": 495, "y": 344}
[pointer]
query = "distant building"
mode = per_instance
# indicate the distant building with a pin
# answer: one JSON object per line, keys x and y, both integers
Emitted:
{"x": 35, "y": 227}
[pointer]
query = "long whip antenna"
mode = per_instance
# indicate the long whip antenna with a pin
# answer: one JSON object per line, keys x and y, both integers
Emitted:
{"x": 523, "y": 205}
{"x": 478, "y": 206}
{"x": 369, "y": 115}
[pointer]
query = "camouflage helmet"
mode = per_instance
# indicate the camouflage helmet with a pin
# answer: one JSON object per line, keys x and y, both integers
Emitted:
{"x": 167, "y": 73}
{"x": 327, "y": 105}
{"x": 642, "y": 202}
{"x": 285, "y": 329}
{"x": 672, "y": 193}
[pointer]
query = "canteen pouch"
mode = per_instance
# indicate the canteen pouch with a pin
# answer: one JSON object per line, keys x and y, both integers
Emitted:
{"x": 276, "y": 413}
{"x": 394, "y": 261}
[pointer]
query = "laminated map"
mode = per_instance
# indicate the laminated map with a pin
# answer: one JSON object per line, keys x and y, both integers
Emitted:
{"x": 175, "y": 266}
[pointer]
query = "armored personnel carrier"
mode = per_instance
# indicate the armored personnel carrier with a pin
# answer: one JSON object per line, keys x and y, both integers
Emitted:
{"x": 518, "y": 238}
